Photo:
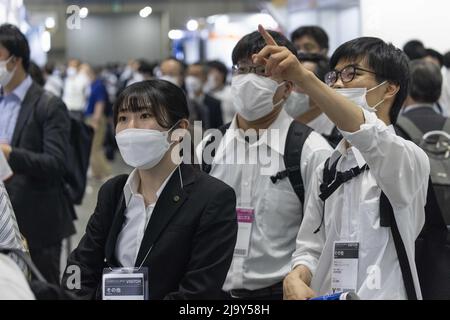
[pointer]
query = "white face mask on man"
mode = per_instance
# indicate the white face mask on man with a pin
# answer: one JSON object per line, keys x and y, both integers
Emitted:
{"x": 5, "y": 75}
{"x": 193, "y": 85}
{"x": 297, "y": 104}
{"x": 171, "y": 79}
{"x": 143, "y": 148}
{"x": 359, "y": 96}
{"x": 253, "y": 95}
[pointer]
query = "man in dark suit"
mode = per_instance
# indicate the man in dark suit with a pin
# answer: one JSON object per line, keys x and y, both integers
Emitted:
{"x": 424, "y": 92}
{"x": 208, "y": 108}
{"x": 34, "y": 137}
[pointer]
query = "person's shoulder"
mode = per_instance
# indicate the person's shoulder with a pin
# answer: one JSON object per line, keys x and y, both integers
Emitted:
{"x": 113, "y": 186}
{"x": 212, "y": 185}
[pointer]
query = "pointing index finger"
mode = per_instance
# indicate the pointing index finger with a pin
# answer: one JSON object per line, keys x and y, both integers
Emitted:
{"x": 266, "y": 36}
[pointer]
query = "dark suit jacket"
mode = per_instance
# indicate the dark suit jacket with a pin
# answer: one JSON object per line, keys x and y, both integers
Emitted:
{"x": 38, "y": 157}
{"x": 192, "y": 234}
{"x": 425, "y": 118}
{"x": 209, "y": 112}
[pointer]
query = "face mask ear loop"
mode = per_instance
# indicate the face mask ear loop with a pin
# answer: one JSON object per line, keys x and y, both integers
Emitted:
{"x": 374, "y": 108}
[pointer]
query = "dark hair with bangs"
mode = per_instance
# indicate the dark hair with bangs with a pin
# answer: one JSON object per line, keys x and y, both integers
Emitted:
{"x": 166, "y": 101}
{"x": 253, "y": 43}
{"x": 388, "y": 62}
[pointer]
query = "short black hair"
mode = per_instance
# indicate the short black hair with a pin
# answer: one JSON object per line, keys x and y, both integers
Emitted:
{"x": 166, "y": 101}
{"x": 219, "y": 66}
{"x": 447, "y": 60}
{"x": 253, "y": 42}
{"x": 426, "y": 81}
{"x": 16, "y": 43}
{"x": 437, "y": 55}
{"x": 321, "y": 61}
{"x": 415, "y": 49}
{"x": 315, "y": 32}
{"x": 388, "y": 62}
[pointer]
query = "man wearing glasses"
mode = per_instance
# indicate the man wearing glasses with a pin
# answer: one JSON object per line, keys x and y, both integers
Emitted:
{"x": 345, "y": 242}
{"x": 269, "y": 205}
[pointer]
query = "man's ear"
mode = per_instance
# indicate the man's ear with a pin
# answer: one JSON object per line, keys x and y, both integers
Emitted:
{"x": 391, "y": 90}
{"x": 289, "y": 86}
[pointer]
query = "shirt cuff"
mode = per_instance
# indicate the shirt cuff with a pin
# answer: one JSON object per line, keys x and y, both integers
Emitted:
{"x": 307, "y": 261}
{"x": 364, "y": 138}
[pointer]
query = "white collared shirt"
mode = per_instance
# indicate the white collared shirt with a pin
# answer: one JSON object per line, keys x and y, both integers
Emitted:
{"x": 401, "y": 169}
{"x": 137, "y": 216}
{"x": 278, "y": 211}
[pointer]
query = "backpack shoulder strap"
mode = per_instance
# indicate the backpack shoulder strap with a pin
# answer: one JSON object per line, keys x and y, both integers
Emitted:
{"x": 206, "y": 167}
{"x": 28, "y": 262}
{"x": 296, "y": 138}
{"x": 386, "y": 208}
{"x": 410, "y": 129}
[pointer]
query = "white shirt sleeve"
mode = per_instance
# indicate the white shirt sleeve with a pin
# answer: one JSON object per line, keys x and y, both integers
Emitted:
{"x": 309, "y": 245}
{"x": 13, "y": 285}
{"x": 400, "y": 167}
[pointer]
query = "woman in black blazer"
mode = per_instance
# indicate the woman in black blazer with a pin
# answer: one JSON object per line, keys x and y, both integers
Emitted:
{"x": 168, "y": 217}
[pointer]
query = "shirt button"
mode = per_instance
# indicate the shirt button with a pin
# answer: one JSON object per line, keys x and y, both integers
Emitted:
{"x": 176, "y": 198}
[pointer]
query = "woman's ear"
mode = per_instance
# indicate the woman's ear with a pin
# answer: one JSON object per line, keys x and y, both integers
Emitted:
{"x": 179, "y": 133}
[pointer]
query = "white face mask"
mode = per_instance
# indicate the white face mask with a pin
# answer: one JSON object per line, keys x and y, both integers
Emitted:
{"x": 193, "y": 85}
{"x": 358, "y": 96}
{"x": 71, "y": 71}
{"x": 253, "y": 95}
{"x": 5, "y": 75}
{"x": 143, "y": 148}
{"x": 171, "y": 79}
{"x": 211, "y": 84}
{"x": 297, "y": 104}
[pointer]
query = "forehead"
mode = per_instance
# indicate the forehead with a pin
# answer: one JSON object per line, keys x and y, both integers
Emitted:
{"x": 344, "y": 62}
{"x": 306, "y": 39}
{"x": 195, "y": 69}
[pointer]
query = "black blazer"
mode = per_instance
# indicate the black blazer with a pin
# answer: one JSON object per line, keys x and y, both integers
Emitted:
{"x": 192, "y": 234}
{"x": 215, "y": 111}
{"x": 38, "y": 157}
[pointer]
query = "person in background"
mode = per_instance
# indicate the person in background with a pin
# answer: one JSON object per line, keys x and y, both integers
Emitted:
{"x": 75, "y": 89}
{"x": 207, "y": 107}
{"x": 96, "y": 111}
{"x": 53, "y": 81}
{"x": 424, "y": 91}
{"x": 415, "y": 49}
{"x": 36, "y": 148}
{"x": 434, "y": 56}
{"x": 311, "y": 39}
{"x": 172, "y": 70}
{"x": 216, "y": 85}
{"x": 444, "y": 100}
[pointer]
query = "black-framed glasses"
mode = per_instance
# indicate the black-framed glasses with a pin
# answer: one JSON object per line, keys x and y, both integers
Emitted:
{"x": 239, "y": 69}
{"x": 347, "y": 75}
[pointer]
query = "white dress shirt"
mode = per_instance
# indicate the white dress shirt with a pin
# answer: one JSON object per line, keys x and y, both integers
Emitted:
{"x": 401, "y": 170}
{"x": 444, "y": 101}
{"x": 278, "y": 211}
{"x": 137, "y": 216}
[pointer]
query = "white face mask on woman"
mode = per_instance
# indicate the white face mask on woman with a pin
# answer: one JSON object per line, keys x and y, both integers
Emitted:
{"x": 358, "y": 96}
{"x": 5, "y": 75}
{"x": 253, "y": 95}
{"x": 143, "y": 148}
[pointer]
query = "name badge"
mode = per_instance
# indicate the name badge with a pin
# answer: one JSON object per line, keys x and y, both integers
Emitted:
{"x": 344, "y": 276}
{"x": 125, "y": 284}
{"x": 245, "y": 217}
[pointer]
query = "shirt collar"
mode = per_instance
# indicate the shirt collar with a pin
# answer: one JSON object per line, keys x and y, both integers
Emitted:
{"x": 21, "y": 90}
{"x": 277, "y": 143}
{"x": 418, "y": 105}
{"x": 134, "y": 180}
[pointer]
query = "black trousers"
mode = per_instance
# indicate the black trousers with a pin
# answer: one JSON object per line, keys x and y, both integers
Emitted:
{"x": 47, "y": 260}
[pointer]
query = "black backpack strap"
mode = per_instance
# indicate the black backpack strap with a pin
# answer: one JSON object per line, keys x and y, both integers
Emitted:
{"x": 206, "y": 167}
{"x": 410, "y": 129}
{"x": 386, "y": 209}
{"x": 296, "y": 137}
{"x": 27, "y": 260}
